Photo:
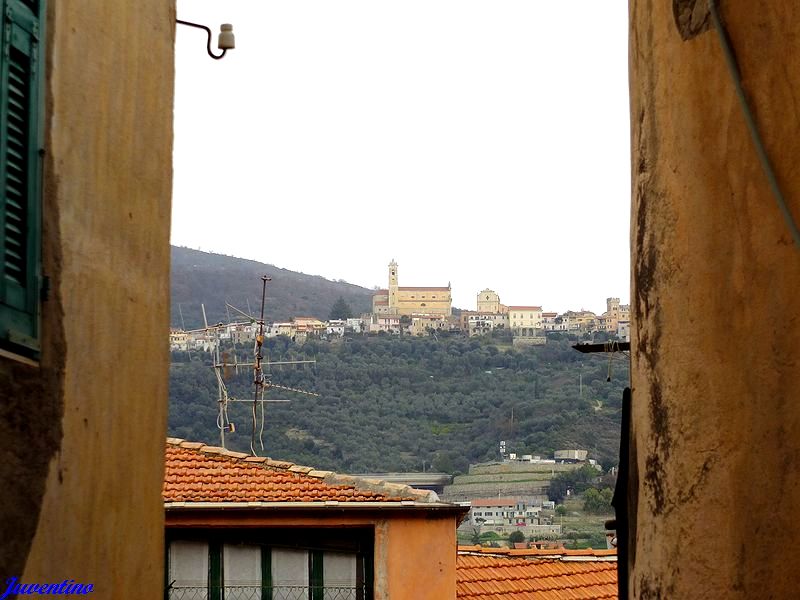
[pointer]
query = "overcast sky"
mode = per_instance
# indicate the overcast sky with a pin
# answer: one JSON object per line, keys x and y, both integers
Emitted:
{"x": 481, "y": 143}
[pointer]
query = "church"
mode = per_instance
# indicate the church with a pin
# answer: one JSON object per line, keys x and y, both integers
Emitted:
{"x": 411, "y": 300}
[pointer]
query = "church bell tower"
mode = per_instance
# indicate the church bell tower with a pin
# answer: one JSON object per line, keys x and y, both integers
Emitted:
{"x": 392, "y": 286}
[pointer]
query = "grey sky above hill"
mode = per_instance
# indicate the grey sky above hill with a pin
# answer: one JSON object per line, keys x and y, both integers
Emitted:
{"x": 481, "y": 143}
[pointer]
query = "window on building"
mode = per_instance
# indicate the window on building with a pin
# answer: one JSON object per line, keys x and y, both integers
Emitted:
{"x": 21, "y": 70}
{"x": 276, "y": 564}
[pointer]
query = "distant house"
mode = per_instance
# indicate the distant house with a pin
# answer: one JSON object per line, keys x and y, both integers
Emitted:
{"x": 286, "y": 328}
{"x": 335, "y": 327}
{"x": 624, "y": 331}
{"x": 242, "y": 333}
{"x": 480, "y": 323}
{"x": 383, "y": 322}
{"x": 525, "y": 321}
{"x": 615, "y": 313}
{"x": 421, "y": 324}
{"x": 552, "y": 322}
{"x": 492, "y": 511}
{"x": 178, "y": 339}
{"x": 580, "y": 320}
{"x": 571, "y": 455}
{"x": 309, "y": 325}
{"x": 240, "y": 526}
{"x": 504, "y": 512}
{"x": 356, "y": 324}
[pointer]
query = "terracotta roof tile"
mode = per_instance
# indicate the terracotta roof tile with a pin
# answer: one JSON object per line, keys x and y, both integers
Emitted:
{"x": 485, "y": 577}
{"x": 198, "y": 473}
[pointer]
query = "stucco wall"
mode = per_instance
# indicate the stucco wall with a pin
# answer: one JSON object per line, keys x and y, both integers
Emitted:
{"x": 422, "y": 563}
{"x": 716, "y": 308}
{"x": 108, "y": 142}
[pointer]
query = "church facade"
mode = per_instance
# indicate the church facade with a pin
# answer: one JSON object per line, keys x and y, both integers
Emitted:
{"x": 401, "y": 301}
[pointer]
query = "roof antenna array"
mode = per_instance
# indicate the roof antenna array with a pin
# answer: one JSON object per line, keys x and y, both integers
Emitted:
{"x": 261, "y": 381}
{"x": 258, "y": 374}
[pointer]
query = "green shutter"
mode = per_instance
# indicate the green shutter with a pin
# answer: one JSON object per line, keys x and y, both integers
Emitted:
{"x": 266, "y": 573}
{"x": 316, "y": 575}
{"x": 20, "y": 174}
{"x": 215, "y": 574}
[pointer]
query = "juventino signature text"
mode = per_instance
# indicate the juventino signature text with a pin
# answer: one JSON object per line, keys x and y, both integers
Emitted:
{"x": 68, "y": 586}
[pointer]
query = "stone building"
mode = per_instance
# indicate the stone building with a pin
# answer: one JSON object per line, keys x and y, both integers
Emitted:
{"x": 401, "y": 301}
{"x": 488, "y": 301}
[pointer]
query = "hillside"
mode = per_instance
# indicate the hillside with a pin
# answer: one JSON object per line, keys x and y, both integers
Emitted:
{"x": 213, "y": 279}
{"x": 388, "y": 403}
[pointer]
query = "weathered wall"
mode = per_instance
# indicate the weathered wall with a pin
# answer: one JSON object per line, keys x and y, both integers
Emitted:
{"x": 92, "y": 417}
{"x": 422, "y": 559}
{"x": 715, "y": 371}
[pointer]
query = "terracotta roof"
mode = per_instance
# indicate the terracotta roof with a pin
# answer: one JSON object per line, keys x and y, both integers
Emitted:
{"x": 525, "y": 308}
{"x": 494, "y": 502}
{"x": 424, "y": 289}
{"x": 195, "y": 472}
{"x": 560, "y": 552}
{"x": 506, "y": 578}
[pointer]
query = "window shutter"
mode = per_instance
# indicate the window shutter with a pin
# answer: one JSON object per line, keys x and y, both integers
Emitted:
{"x": 20, "y": 174}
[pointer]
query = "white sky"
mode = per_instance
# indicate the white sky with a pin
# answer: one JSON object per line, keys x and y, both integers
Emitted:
{"x": 482, "y": 143}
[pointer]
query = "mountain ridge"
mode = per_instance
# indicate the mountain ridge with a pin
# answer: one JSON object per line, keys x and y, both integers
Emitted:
{"x": 212, "y": 279}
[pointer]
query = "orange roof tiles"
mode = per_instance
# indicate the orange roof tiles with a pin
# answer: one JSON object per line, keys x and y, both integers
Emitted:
{"x": 494, "y": 502}
{"x": 482, "y": 577}
{"x": 558, "y": 552}
{"x": 198, "y": 473}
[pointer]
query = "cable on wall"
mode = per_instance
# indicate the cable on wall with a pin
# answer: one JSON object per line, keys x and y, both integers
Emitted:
{"x": 766, "y": 165}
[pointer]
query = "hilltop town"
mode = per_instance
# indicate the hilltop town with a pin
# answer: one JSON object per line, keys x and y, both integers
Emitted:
{"x": 420, "y": 311}
{"x": 523, "y": 491}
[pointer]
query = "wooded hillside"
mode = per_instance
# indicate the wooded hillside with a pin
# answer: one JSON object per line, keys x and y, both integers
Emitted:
{"x": 389, "y": 403}
{"x": 213, "y": 279}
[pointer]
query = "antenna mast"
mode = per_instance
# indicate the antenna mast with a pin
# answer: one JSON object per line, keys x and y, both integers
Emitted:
{"x": 258, "y": 373}
{"x": 261, "y": 382}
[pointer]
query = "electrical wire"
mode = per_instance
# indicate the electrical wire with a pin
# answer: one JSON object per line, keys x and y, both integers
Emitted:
{"x": 610, "y": 347}
{"x": 261, "y": 430}
{"x": 766, "y": 165}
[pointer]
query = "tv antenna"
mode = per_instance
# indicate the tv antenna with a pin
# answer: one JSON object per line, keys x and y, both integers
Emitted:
{"x": 262, "y": 382}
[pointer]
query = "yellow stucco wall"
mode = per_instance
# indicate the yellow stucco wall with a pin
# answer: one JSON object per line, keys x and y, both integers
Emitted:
{"x": 715, "y": 304}
{"x": 108, "y": 186}
{"x": 436, "y": 302}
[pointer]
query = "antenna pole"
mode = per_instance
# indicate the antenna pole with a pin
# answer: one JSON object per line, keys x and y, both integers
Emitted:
{"x": 258, "y": 374}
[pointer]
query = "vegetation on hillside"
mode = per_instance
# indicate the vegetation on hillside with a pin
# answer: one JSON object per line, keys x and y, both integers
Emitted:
{"x": 214, "y": 279}
{"x": 400, "y": 403}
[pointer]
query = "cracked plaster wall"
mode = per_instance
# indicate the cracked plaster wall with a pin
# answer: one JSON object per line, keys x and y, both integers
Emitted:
{"x": 716, "y": 303}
